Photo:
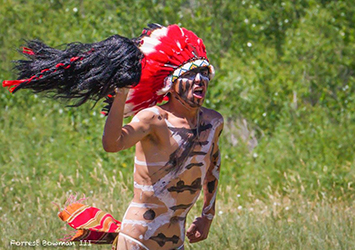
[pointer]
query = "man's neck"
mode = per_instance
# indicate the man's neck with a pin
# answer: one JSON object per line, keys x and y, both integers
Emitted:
{"x": 182, "y": 110}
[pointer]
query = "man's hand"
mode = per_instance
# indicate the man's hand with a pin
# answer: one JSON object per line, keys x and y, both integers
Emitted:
{"x": 199, "y": 229}
{"x": 121, "y": 92}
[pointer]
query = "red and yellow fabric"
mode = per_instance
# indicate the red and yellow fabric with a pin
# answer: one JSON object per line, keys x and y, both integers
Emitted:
{"x": 92, "y": 224}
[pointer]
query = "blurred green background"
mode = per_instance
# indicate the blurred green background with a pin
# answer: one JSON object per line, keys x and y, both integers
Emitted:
{"x": 284, "y": 84}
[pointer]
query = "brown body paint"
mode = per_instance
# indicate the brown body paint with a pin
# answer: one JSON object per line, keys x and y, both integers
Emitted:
{"x": 161, "y": 239}
{"x": 149, "y": 215}
{"x": 181, "y": 187}
{"x": 181, "y": 206}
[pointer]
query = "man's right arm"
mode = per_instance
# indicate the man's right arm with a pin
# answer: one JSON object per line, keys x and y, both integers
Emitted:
{"x": 115, "y": 137}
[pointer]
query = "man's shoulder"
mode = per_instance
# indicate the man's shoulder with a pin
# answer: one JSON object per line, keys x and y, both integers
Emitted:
{"x": 215, "y": 119}
{"x": 154, "y": 110}
{"x": 149, "y": 115}
{"x": 211, "y": 114}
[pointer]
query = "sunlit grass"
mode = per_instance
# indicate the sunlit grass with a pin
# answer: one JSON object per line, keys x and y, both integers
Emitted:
{"x": 284, "y": 83}
{"x": 281, "y": 222}
{"x": 242, "y": 220}
{"x": 51, "y": 152}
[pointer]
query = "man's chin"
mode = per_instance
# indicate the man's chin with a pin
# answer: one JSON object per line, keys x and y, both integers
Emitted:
{"x": 194, "y": 102}
{"x": 197, "y": 104}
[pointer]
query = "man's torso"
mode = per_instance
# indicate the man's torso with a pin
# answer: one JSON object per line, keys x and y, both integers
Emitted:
{"x": 170, "y": 167}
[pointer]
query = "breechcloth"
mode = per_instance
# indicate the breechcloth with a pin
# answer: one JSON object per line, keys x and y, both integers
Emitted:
{"x": 131, "y": 241}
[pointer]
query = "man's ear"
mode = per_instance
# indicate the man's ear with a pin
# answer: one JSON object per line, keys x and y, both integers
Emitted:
{"x": 168, "y": 84}
{"x": 211, "y": 70}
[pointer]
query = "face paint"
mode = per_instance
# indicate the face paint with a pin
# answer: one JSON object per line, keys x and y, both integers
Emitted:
{"x": 191, "y": 87}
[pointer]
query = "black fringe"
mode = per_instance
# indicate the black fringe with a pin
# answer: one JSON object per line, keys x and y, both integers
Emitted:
{"x": 81, "y": 71}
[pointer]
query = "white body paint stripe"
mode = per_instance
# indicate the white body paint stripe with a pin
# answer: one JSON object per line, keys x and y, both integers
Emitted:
{"x": 208, "y": 216}
{"x": 135, "y": 119}
{"x": 149, "y": 164}
{"x": 215, "y": 172}
{"x": 135, "y": 222}
{"x": 144, "y": 205}
{"x": 146, "y": 188}
{"x": 206, "y": 209}
{"x": 175, "y": 136}
{"x": 155, "y": 110}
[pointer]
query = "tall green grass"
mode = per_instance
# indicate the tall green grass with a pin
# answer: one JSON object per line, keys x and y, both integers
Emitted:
{"x": 283, "y": 194}
{"x": 284, "y": 83}
{"x": 243, "y": 220}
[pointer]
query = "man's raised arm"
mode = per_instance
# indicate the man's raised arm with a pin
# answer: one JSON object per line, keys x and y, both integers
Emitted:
{"x": 115, "y": 137}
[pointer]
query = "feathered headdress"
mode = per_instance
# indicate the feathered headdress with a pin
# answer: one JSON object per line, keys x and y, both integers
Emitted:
{"x": 148, "y": 65}
{"x": 168, "y": 53}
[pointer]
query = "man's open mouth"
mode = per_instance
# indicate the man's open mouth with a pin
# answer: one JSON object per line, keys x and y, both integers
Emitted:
{"x": 199, "y": 93}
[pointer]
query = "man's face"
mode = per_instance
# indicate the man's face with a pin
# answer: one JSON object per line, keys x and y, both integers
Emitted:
{"x": 192, "y": 86}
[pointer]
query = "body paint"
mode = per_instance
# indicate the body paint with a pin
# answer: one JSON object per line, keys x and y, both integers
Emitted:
{"x": 148, "y": 164}
{"x": 198, "y": 153}
{"x": 161, "y": 239}
{"x": 191, "y": 165}
{"x": 149, "y": 215}
{"x": 210, "y": 186}
{"x": 144, "y": 205}
{"x": 181, "y": 206}
{"x": 189, "y": 140}
{"x": 183, "y": 137}
{"x": 145, "y": 188}
{"x": 181, "y": 187}
{"x": 176, "y": 219}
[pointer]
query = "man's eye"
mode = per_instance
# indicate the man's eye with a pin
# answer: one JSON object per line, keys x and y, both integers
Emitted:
{"x": 205, "y": 72}
{"x": 187, "y": 75}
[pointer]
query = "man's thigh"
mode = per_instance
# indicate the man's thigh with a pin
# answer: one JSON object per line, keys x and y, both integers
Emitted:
{"x": 126, "y": 242}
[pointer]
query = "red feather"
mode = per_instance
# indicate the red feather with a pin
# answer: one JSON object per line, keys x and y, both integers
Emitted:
{"x": 172, "y": 47}
{"x": 28, "y": 51}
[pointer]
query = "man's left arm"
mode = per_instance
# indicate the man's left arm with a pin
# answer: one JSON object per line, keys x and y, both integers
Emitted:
{"x": 200, "y": 227}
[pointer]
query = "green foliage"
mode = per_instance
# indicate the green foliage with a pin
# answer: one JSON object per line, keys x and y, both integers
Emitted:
{"x": 284, "y": 83}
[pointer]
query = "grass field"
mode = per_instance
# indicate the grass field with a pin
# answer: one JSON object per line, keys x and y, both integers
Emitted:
{"x": 284, "y": 84}
{"x": 52, "y": 151}
{"x": 242, "y": 221}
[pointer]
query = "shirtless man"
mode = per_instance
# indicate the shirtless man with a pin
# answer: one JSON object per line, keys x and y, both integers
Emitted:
{"x": 177, "y": 150}
{"x": 177, "y": 155}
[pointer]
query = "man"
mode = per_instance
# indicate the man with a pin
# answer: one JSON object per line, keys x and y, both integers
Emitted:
{"x": 177, "y": 151}
{"x": 176, "y": 155}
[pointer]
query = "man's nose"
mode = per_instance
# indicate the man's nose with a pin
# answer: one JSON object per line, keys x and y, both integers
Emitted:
{"x": 200, "y": 78}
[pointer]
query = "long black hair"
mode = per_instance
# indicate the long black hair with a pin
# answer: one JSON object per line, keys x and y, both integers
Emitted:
{"x": 79, "y": 72}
